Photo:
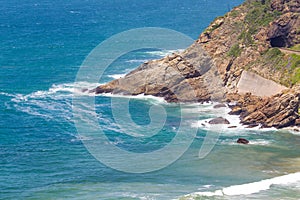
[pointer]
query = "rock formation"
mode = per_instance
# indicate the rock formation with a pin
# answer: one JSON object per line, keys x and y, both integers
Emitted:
{"x": 278, "y": 111}
{"x": 244, "y": 41}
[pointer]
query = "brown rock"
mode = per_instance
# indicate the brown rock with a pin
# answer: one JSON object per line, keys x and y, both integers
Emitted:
{"x": 297, "y": 122}
{"x": 254, "y": 118}
{"x": 252, "y": 125}
{"x": 232, "y": 126}
{"x": 236, "y": 110}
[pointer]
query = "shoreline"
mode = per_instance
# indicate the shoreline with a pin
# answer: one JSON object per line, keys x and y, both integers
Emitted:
{"x": 229, "y": 106}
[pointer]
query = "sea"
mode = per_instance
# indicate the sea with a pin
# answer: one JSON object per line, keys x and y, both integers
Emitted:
{"x": 48, "y": 152}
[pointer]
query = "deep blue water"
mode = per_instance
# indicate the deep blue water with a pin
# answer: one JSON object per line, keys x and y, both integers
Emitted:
{"x": 43, "y": 44}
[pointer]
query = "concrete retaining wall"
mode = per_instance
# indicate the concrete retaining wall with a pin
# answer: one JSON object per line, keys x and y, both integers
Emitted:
{"x": 257, "y": 85}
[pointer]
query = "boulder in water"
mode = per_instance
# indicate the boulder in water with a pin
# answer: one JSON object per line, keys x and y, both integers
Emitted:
{"x": 242, "y": 141}
{"x": 219, "y": 120}
{"x": 220, "y": 105}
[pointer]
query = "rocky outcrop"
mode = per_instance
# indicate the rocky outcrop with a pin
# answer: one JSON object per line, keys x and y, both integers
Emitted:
{"x": 212, "y": 69}
{"x": 173, "y": 77}
{"x": 186, "y": 77}
{"x": 278, "y": 111}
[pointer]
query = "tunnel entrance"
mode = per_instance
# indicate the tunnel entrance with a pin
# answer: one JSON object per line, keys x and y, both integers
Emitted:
{"x": 278, "y": 41}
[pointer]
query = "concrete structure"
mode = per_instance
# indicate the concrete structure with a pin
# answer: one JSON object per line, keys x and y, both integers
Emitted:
{"x": 257, "y": 85}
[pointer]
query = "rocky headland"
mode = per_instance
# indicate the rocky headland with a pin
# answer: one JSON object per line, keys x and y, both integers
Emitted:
{"x": 248, "y": 58}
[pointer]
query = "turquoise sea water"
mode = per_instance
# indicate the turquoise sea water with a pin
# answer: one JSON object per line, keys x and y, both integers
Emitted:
{"x": 43, "y": 44}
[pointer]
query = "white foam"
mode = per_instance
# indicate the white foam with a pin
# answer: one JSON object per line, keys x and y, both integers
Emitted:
{"x": 219, "y": 112}
{"x": 260, "y": 142}
{"x": 256, "y": 142}
{"x": 251, "y": 188}
{"x": 136, "y": 61}
{"x": 74, "y": 12}
{"x": 140, "y": 96}
{"x": 52, "y": 104}
{"x": 6, "y": 94}
{"x": 164, "y": 53}
{"x": 293, "y": 130}
{"x": 117, "y": 76}
{"x": 233, "y": 119}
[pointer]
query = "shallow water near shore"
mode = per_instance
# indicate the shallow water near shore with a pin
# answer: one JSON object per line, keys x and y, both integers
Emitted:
{"x": 43, "y": 157}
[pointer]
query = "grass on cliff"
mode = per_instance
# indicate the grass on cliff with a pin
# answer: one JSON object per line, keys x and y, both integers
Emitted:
{"x": 246, "y": 38}
{"x": 288, "y": 65}
{"x": 296, "y": 47}
{"x": 295, "y": 68}
{"x": 259, "y": 14}
{"x": 296, "y": 77}
{"x": 235, "y": 51}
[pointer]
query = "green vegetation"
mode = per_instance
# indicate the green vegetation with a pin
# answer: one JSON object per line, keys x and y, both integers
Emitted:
{"x": 234, "y": 13}
{"x": 295, "y": 61}
{"x": 296, "y": 77}
{"x": 273, "y": 53}
{"x": 235, "y": 51}
{"x": 295, "y": 68}
{"x": 274, "y": 57}
{"x": 246, "y": 38}
{"x": 259, "y": 14}
{"x": 296, "y": 47}
{"x": 287, "y": 65}
{"x": 284, "y": 65}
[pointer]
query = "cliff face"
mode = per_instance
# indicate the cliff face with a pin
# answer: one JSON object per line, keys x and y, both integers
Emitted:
{"x": 253, "y": 38}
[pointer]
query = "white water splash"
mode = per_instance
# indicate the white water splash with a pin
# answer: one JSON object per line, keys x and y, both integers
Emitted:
{"x": 250, "y": 188}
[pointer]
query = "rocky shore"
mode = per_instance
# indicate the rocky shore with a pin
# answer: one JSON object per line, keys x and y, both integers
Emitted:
{"x": 247, "y": 39}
